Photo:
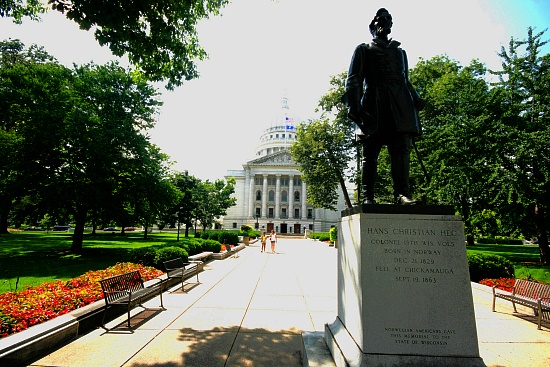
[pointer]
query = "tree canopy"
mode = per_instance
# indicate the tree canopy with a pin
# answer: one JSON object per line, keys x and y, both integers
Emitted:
{"x": 158, "y": 37}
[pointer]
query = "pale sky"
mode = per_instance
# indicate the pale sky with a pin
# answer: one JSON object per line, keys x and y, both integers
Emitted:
{"x": 262, "y": 50}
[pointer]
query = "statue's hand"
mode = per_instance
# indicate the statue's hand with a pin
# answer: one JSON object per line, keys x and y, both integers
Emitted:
{"x": 361, "y": 119}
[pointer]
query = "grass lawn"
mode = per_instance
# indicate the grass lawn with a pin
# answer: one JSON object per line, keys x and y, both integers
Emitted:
{"x": 525, "y": 258}
{"x": 38, "y": 257}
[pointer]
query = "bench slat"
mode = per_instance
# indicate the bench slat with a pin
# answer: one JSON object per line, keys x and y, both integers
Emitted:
{"x": 127, "y": 289}
{"x": 531, "y": 294}
{"x": 177, "y": 268}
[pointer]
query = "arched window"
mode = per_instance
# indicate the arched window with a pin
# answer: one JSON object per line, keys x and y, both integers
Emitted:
{"x": 258, "y": 195}
{"x": 271, "y": 195}
{"x": 284, "y": 196}
{"x": 296, "y": 195}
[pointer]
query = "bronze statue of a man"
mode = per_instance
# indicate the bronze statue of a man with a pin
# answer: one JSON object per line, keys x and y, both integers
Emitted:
{"x": 384, "y": 104}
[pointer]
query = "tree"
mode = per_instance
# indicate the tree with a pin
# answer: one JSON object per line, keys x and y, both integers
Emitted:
{"x": 147, "y": 191}
{"x": 458, "y": 143}
{"x": 318, "y": 151}
{"x": 17, "y": 9}
{"x": 212, "y": 200}
{"x": 184, "y": 209}
{"x": 33, "y": 99}
{"x": 158, "y": 37}
{"x": 524, "y": 156}
{"x": 325, "y": 150}
{"x": 83, "y": 148}
{"x": 104, "y": 148}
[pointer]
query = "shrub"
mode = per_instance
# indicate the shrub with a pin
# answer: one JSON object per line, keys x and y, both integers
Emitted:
{"x": 489, "y": 266}
{"x": 211, "y": 245}
{"x": 204, "y": 235}
{"x": 143, "y": 255}
{"x": 169, "y": 253}
{"x": 229, "y": 238}
{"x": 321, "y": 236}
{"x": 214, "y": 235}
{"x": 193, "y": 245}
{"x": 333, "y": 234}
{"x": 247, "y": 231}
{"x": 499, "y": 240}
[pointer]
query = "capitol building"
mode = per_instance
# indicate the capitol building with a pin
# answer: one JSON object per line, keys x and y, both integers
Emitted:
{"x": 270, "y": 192}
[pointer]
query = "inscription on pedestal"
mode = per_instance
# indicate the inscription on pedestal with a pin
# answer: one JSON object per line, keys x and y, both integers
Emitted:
{"x": 412, "y": 284}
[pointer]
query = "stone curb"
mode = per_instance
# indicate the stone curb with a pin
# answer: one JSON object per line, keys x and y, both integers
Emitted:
{"x": 19, "y": 348}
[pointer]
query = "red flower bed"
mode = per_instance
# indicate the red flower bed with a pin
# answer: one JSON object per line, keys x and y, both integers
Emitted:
{"x": 34, "y": 305}
{"x": 505, "y": 284}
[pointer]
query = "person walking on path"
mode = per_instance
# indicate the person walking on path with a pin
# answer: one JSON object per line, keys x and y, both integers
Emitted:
{"x": 264, "y": 240}
{"x": 273, "y": 240}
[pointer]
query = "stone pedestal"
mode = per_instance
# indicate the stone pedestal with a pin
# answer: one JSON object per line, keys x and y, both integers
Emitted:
{"x": 404, "y": 293}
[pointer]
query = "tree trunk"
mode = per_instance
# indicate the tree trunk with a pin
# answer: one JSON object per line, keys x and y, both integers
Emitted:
{"x": 540, "y": 222}
{"x": 4, "y": 213}
{"x": 465, "y": 212}
{"x": 146, "y": 227}
{"x": 78, "y": 235}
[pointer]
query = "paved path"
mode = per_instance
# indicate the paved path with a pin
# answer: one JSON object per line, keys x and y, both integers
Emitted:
{"x": 251, "y": 310}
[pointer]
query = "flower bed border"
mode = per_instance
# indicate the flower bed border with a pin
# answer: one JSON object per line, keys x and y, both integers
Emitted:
{"x": 38, "y": 340}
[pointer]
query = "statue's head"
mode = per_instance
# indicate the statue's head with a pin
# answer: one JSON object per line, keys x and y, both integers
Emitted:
{"x": 381, "y": 25}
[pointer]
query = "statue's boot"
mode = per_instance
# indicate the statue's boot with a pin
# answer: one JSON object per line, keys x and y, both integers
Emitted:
{"x": 400, "y": 165}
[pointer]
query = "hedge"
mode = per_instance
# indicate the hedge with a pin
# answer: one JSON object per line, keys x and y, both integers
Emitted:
{"x": 484, "y": 266}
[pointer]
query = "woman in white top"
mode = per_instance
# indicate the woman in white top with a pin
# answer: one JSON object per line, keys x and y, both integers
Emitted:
{"x": 273, "y": 240}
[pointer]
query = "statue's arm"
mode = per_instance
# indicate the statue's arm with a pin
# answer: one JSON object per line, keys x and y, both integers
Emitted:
{"x": 354, "y": 84}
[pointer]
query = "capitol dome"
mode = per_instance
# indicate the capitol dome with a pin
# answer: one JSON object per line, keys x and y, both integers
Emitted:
{"x": 281, "y": 134}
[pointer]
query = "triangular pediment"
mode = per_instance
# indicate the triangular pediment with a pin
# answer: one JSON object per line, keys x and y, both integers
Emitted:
{"x": 279, "y": 158}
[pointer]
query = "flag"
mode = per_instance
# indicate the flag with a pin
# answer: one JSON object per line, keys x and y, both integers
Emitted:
{"x": 289, "y": 123}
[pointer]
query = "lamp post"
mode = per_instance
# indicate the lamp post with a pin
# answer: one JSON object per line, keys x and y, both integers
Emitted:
{"x": 313, "y": 228}
{"x": 257, "y": 224}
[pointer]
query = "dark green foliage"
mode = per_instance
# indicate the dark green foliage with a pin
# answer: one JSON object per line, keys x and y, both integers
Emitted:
{"x": 333, "y": 234}
{"x": 321, "y": 236}
{"x": 489, "y": 266}
{"x": 214, "y": 235}
{"x": 229, "y": 238}
{"x": 500, "y": 240}
{"x": 144, "y": 255}
{"x": 247, "y": 231}
{"x": 225, "y": 237}
{"x": 169, "y": 253}
{"x": 154, "y": 255}
{"x": 193, "y": 245}
{"x": 211, "y": 245}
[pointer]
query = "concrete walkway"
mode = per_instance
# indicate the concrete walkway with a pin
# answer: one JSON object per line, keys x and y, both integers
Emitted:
{"x": 251, "y": 310}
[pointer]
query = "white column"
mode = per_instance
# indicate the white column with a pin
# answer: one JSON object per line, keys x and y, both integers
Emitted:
{"x": 290, "y": 196}
{"x": 278, "y": 197}
{"x": 304, "y": 204}
{"x": 251, "y": 197}
{"x": 264, "y": 197}
{"x": 246, "y": 192}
